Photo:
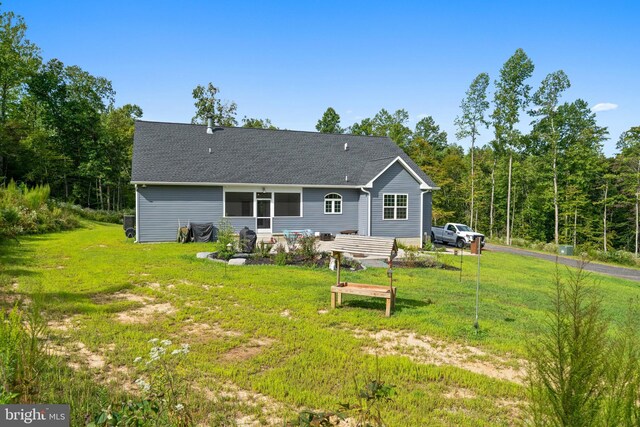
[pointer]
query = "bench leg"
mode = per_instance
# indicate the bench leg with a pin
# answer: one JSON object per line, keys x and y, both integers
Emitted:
{"x": 393, "y": 301}
{"x": 333, "y": 300}
{"x": 339, "y": 298}
{"x": 388, "y": 312}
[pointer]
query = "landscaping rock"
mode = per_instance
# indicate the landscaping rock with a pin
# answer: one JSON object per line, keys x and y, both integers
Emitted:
{"x": 237, "y": 261}
{"x": 240, "y": 255}
{"x": 203, "y": 255}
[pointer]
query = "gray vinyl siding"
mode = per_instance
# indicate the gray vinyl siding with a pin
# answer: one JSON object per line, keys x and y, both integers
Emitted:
{"x": 363, "y": 217}
{"x": 161, "y": 208}
{"x": 426, "y": 215}
{"x": 314, "y": 217}
{"x": 396, "y": 180}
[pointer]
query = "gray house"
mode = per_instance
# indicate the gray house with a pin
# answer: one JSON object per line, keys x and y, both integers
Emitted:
{"x": 275, "y": 180}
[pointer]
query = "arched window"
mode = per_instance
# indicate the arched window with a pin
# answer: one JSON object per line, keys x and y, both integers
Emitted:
{"x": 333, "y": 203}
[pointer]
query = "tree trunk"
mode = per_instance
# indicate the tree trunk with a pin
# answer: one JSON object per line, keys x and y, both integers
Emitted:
{"x": 473, "y": 142}
{"x": 493, "y": 188}
{"x": 604, "y": 216}
{"x": 637, "y": 204}
{"x": 575, "y": 227}
{"x": 555, "y": 197}
{"x": 100, "y": 193}
{"x": 89, "y": 195}
{"x": 108, "y": 197}
{"x": 509, "y": 200}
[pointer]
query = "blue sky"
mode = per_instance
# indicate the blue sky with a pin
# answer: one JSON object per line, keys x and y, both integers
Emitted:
{"x": 290, "y": 60}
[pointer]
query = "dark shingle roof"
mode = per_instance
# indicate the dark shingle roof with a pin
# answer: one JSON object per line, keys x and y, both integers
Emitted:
{"x": 172, "y": 152}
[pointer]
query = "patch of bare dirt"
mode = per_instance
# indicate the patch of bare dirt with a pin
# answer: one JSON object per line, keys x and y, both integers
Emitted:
{"x": 460, "y": 393}
{"x": 202, "y": 332}
{"x": 323, "y": 311}
{"x": 122, "y": 296}
{"x": 286, "y": 313}
{"x": 81, "y": 355}
{"x": 247, "y": 351}
{"x": 270, "y": 408}
{"x": 424, "y": 349}
{"x": 146, "y": 313}
{"x": 63, "y": 325}
{"x": 11, "y": 298}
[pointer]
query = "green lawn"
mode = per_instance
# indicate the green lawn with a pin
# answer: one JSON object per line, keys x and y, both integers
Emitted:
{"x": 263, "y": 345}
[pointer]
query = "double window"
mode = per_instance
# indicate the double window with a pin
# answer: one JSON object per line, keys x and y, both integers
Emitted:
{"x": 394, "y": 206}
{"x": 243, "y": 204}
{"x": 333, "y": 203}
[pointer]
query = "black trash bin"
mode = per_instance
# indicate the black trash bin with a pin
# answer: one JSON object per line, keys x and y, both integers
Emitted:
{"x": 248, "y": 240}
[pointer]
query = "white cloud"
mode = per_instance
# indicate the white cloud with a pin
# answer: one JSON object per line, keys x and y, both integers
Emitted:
{"x": 604, "y": 106}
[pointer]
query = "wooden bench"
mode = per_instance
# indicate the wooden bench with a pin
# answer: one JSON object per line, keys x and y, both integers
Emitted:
{"x": 363, "y": 289}
{"x": 372, "y": 246}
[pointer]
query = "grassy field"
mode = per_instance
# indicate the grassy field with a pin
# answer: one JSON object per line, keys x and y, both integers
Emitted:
{"x": 265, "y": 343}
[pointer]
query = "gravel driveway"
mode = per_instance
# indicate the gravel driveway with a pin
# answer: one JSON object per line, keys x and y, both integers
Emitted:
{"x": 621, "y": 272}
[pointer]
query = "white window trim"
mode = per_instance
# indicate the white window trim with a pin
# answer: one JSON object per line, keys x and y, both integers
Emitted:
{"x": 395, "y": 207}
{"x": 333, "y": 205}
{"x": 226, "y": 190}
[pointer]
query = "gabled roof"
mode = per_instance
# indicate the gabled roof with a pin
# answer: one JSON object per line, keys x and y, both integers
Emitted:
{"x": 187, "y": 154}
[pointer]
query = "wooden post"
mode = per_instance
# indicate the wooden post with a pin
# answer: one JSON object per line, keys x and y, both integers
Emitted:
{"x": 388, "y": 310}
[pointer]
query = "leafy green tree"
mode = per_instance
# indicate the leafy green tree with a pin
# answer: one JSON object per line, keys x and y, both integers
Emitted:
{"x": 19, "y": 59}
{"x": 207, "y": 105}
{"x": 427, "y": 129}
{"x": 330, "y": 122}
{"x": 386, "y": 124}
{"x": 628, "y": 162}
{"x": 248, "y": 122}
{"x": 71, "y": 102}
{"x": 546, "y": 99}
{"x": 511, "y": 97}
{"x": 473, "y": 107}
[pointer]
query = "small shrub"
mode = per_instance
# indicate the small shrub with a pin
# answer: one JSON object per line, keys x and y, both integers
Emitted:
{"x": 22, "y": 354}
{"x": 263, "y": 249}
{"x": 411, "y": 258}
{"x": 582, "y": 374}
{"x": 307, "y": 247}
{"x": 226, "y": 245}
{"x": 281, "y": 257}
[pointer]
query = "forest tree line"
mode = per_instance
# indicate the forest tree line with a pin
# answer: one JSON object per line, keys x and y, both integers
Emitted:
{"x": 59, "y": 126}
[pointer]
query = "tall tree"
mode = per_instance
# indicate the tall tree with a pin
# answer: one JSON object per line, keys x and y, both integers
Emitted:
{"x": 330, "y": 122}
{"x": 546, "y": 99}
{"x": 19, "y": 59}
{"x": 473, "y": 107}
{"x": 386, "y": 124}
{"x": 207, "y": 105}
{"x": 511, "y": 97}
{"x": 629, "y": 146}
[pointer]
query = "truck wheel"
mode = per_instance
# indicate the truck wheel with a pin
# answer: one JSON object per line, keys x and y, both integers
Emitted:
{"x": 459, "y": 243}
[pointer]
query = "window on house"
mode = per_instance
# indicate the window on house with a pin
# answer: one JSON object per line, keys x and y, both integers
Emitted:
{"x": 394, "y": 206}
{"x": 287, "y": 204}
{"x": 238, "y": 204}
{"x": 333, "y": 203}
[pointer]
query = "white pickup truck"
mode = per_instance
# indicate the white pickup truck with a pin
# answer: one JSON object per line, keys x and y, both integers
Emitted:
{"x": 455, "y": 234}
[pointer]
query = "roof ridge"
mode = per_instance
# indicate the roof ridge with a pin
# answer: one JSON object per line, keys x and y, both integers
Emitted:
{"x": 261, "y": 129}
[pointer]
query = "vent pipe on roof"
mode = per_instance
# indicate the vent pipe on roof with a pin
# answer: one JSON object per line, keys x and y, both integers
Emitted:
{"x": 346, "y": 177}
{"x": 346, "y": 146}
{"x": 210, "y": 125}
